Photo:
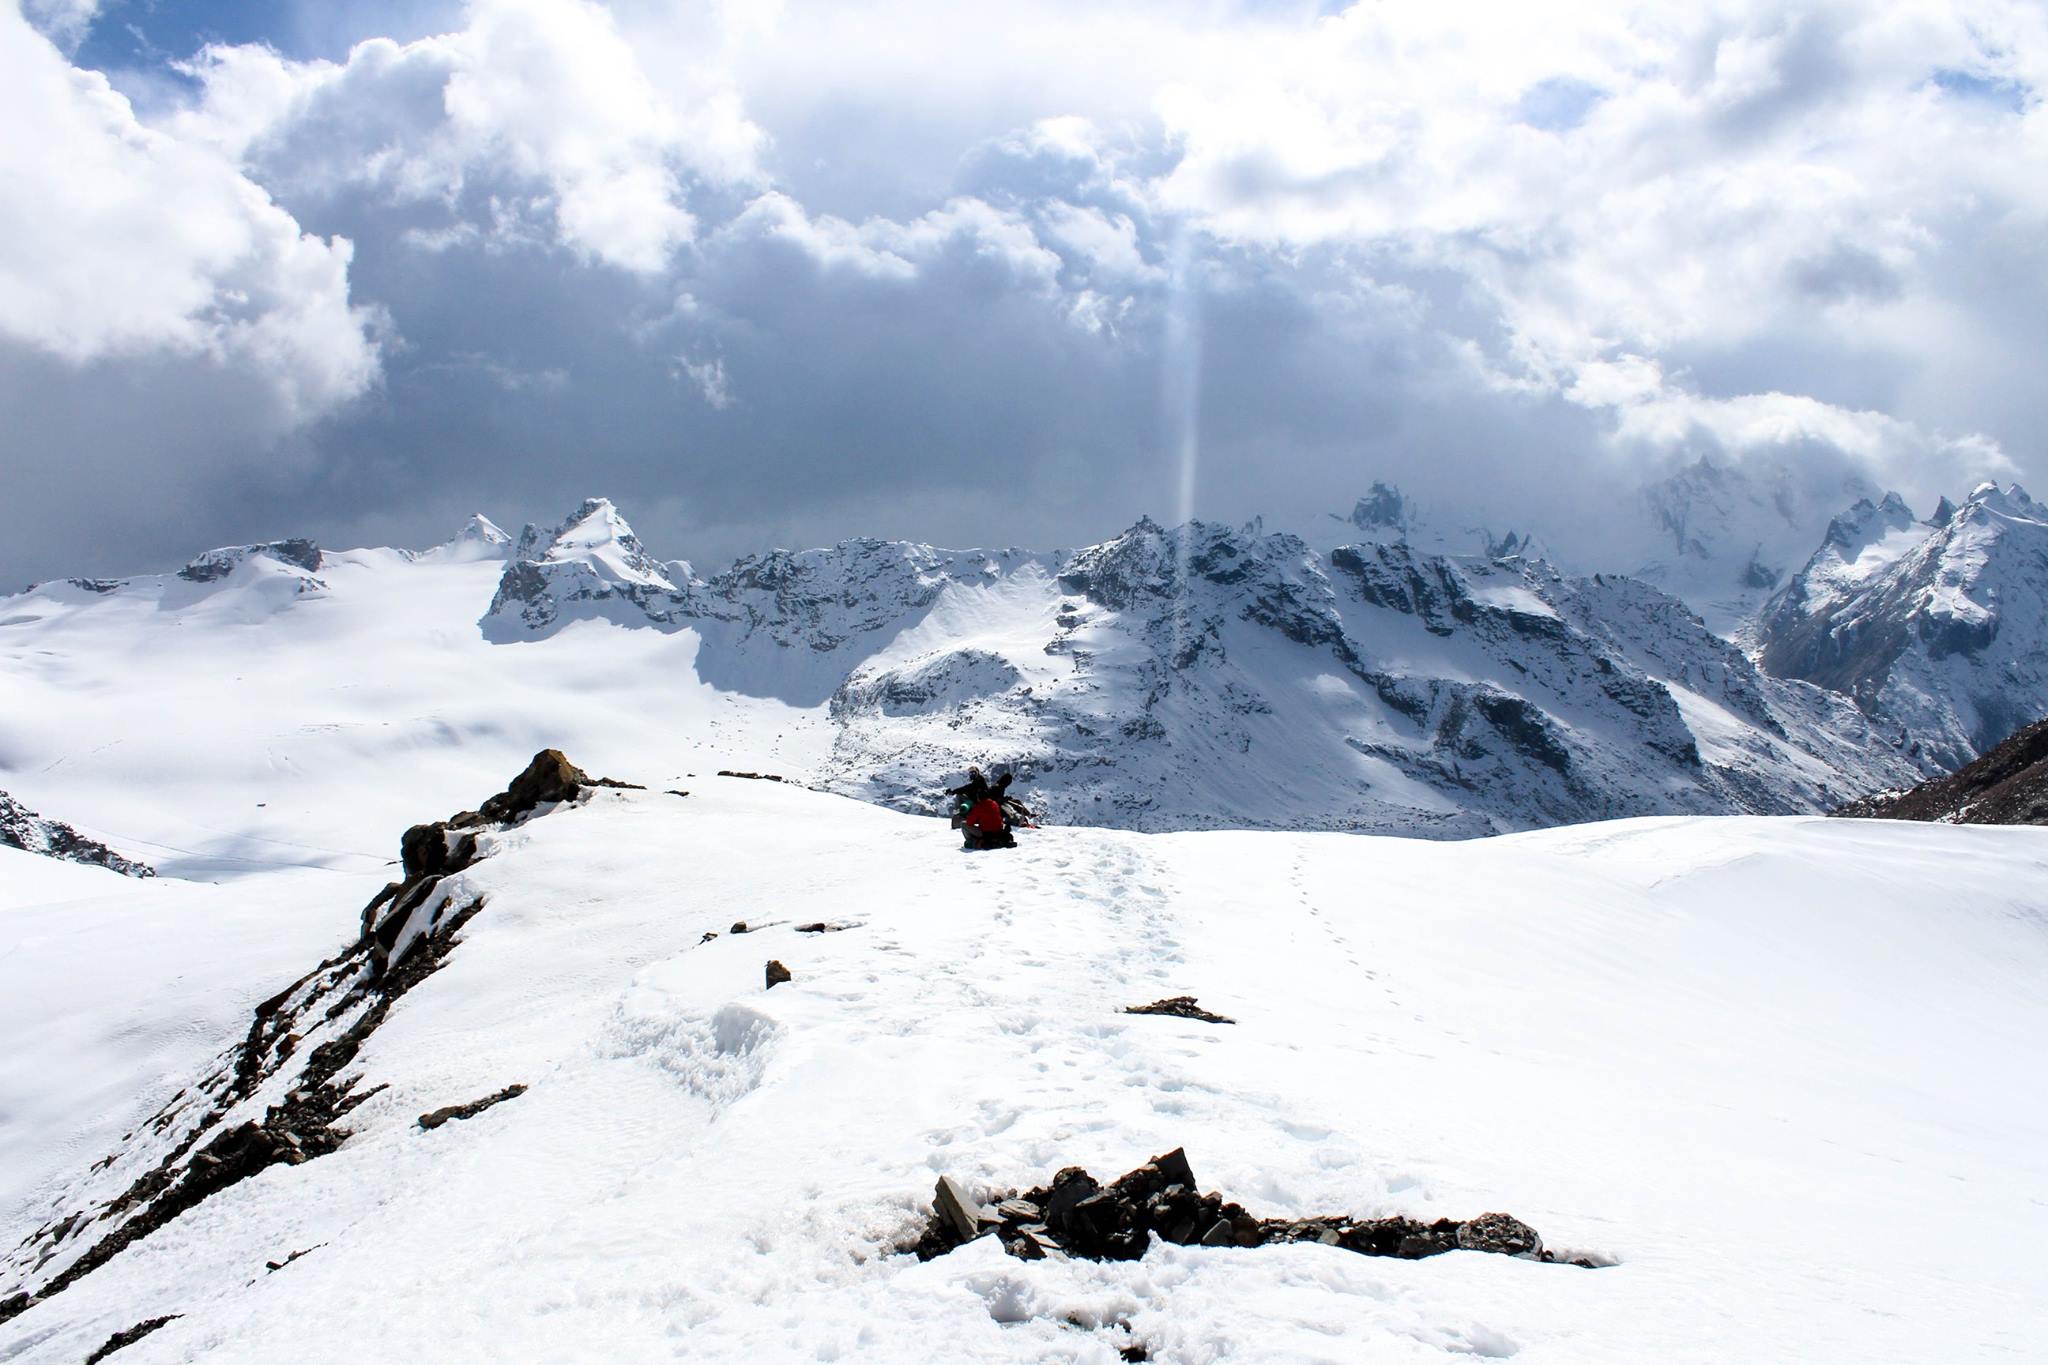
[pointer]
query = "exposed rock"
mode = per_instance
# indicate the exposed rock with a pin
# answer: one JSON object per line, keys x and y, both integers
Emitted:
{"x": 2007, "y": 786}
{"x": 1180, "y": 1007}
{"x": 1500, "y": 1232}
{"x": 822, "y": 927}
{"x": 22, "y": 828}
{"x": 129, "y": 1336}
{"x": 1083, "y": 1218}
{"x": 436, "y": 1118}
{"x": 966, "y": 1217}
{"x": 753, "y": 777}
{"x": 273, "y": 1267}
{"x": 777, "y": 974}
{"x": 215, "y": 1134}
{"x": 739, "y": 926}
{"x": 215, "y": 565}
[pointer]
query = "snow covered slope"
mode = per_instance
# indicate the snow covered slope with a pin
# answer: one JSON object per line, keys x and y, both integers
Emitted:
{"x": 1766, "y": 1065}
{"x": 284, "y": 716}
{"x": 1939, "y": 627}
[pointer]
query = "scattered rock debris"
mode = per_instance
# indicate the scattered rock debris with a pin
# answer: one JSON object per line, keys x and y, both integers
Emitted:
{"x": 1076, "y": 1216}
{"x": 274, "y": 1266}
{"x": 821, "y": 927}
{"x": 129, "y": 1337}
{"x": 1180, "y": 1007}
{"x": 756, "y": 777}
{"x": 709, "y": 934}
{"x": 777, "y": 974}
{"x": 674, "y": 792}
{"x": 429, "y": 1122}
{"x": 407, "y": 931}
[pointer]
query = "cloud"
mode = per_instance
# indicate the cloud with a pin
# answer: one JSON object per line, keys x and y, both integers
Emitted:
{"x": 805, "y": 271}
{"x": 63, "y": 22}
{"x": 162, "y": 319}
{"x": 533, "y": 108}
{"x": 117, "y": 240}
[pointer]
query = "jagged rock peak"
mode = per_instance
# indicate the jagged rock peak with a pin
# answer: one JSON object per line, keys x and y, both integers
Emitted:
{"x": 592, "y": 561}
{"x": 1869, "y": 520}
{"x": 595, "y": 534}
{"x": 1383, "y": 508}
{"x": 1944, "y": 512}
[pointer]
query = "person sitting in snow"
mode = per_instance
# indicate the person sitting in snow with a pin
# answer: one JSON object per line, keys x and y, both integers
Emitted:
{"x": 974, "y": 789}
{"x": 987, "y": 826}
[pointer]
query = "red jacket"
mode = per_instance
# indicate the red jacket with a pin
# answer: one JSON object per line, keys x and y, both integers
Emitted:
{"x": 987, "y": 817}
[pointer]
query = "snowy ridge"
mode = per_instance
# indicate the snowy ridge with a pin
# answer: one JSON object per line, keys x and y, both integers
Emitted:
{"x": 1936, "y": 627}
{"x": 702, "y": 1169}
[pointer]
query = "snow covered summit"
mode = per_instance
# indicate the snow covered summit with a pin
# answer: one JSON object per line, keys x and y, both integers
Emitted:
{"x": 1940, "y": 627}
{"x": 591, "y": 564}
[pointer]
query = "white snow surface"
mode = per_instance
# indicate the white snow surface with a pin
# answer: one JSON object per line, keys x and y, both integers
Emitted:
{"x": 1775, "y": 1068}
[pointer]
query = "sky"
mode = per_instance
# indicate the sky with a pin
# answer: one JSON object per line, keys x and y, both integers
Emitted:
{"x": 782, "y": 273}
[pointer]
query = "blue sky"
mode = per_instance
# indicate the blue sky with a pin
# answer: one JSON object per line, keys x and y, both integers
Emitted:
{"x": 781, "y": 274}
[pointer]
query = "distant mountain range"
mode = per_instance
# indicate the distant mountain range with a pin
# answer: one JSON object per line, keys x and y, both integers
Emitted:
{"x": 1367, "y": 675}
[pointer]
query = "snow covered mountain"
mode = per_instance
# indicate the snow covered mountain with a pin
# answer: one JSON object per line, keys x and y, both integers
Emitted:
{"x": 537, "y": 1103}
{"x": 1186, "y": 678}
{"x": 1940, "y": 627}
{"x": 1723, "y": 536}
{"x": 1206, "y": 676}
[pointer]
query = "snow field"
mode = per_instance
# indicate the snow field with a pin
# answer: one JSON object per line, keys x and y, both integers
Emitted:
{"x": 1775, "y": 1067}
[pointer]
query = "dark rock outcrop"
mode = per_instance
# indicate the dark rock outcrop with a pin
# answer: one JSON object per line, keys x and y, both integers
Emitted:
{"x": 129, "y": 1336}
{"x": 1077, "y": 1216}
{"x": 435, "y": 1118}
{"x": 776, "y": 974}
{"x": 22, "y": 828}
{"x": 214, "y": 1134}
{"x": 2008, "y": 786}
{"x": 215, "y": 565}
{"x": 1180, "y": 1007}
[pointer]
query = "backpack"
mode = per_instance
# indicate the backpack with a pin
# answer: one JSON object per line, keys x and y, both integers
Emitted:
{"x": 986, "y": 816}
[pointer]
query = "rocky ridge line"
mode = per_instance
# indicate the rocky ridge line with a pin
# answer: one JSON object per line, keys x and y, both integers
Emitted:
{"x": 22, "y": 828}
{"x": 279, "y": 1095}
{"x": 2007, "y": 786}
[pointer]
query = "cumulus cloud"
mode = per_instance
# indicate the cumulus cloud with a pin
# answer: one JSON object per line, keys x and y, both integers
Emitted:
{"x": 533, "y": 104}
{"x": 117, "y": 240}
{"x": 162, "y": 320}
